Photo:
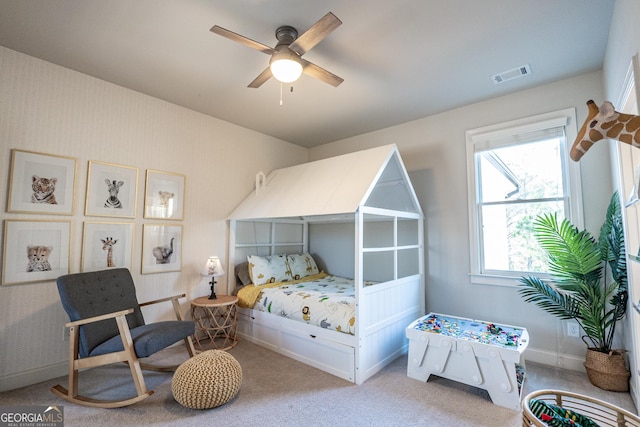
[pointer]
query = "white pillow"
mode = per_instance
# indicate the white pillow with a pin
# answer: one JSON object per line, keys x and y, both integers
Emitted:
{"x": 302, "y": 265}
{"x": 268, "y": 269}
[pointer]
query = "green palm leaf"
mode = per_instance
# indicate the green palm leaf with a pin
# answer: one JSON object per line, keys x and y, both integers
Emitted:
{"x": 573, "y": 255}
{"x": 577, "y": 263}
{"x": 562, "y": 305}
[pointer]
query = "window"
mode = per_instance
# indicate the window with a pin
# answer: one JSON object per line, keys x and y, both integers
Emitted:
{"x": 517, "y": 171}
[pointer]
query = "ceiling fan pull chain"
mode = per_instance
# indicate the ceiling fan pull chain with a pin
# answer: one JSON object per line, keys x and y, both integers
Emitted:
{"x": 281, "y": 94}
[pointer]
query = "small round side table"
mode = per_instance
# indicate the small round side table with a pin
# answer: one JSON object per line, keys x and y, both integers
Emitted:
{"x": 216, "y": 320}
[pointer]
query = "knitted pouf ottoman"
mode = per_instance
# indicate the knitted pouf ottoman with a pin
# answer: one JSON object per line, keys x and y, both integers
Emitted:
{"x": 207, "y": 380}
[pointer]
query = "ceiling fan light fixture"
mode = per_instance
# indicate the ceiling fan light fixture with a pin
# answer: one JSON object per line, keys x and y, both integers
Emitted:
{"x": 285, "y": 66}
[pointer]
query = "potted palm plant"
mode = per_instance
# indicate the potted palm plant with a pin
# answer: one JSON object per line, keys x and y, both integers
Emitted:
{"x": 589, "y": 285}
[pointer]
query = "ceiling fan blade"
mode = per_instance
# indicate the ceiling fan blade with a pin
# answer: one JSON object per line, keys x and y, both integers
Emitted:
{"x": 263, "y": 77}
{"x": 315, "y": 34}
{"x": 242, "y": 40}
{"x": 311, "y": 69}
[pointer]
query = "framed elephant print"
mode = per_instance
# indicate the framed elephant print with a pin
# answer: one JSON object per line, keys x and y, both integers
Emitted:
{"x": 161, "y": 248}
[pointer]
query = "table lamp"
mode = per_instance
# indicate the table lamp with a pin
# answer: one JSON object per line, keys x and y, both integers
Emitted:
{"x": 213, "y": 269}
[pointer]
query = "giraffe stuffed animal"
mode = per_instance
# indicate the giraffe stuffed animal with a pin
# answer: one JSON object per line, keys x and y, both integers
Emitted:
{"x": 605, "y": 122}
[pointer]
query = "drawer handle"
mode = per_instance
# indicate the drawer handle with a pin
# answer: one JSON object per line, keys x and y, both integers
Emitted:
{"x": 312, "y": 336}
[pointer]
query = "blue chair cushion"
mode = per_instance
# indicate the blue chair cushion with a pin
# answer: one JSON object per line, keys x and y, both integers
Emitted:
{"x": 149, "y": 339}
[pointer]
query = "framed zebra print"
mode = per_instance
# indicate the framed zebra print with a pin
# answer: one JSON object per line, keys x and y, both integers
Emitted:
{"x": 111, "y": 190}
{"x": 41, "y": 183}
{"x": 164, "y": 195}
{"x": 35, "y": 251}
{"x": 107, "y": 245}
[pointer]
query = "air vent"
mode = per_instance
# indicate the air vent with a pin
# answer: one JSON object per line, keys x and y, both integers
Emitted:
{"x": 521, "y": 71}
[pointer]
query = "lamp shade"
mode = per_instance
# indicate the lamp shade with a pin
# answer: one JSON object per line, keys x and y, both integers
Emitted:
{"x": 285, "y": 65}
{"x": 213, "y": 267}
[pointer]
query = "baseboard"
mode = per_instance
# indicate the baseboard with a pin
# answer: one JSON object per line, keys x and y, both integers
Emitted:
{"x": 557, "y": 360}
{"x": 33, "y": 376}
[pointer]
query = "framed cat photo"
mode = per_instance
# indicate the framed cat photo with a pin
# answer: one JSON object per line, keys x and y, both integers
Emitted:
{"x": 41, "y": 183}
{"x": 107, "y": 245}
{"x": 111, "y": 190}
{"x": 35, "y": 251}
{"x": 164, "y": 195}
{"x": 161, "y": 248}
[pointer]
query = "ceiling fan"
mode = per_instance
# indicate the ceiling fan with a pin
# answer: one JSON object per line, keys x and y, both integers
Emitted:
{"x": 286, "y": 63}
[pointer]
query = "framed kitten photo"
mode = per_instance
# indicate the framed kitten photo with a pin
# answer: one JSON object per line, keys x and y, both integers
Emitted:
{"x": 41, "y": 183}
{"x": 111, "y": 190}
{"x": 161, "y": 248}
{"x": 164, "y": 195}
{"x": 35, "y": 251}
{"x": 107, "y": 245}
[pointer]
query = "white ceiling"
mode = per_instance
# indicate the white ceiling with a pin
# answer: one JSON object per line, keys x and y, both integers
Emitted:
{"x": 401, "y": 60}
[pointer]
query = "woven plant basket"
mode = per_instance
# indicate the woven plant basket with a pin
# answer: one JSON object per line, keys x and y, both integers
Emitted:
{"x": 607, "y": 371}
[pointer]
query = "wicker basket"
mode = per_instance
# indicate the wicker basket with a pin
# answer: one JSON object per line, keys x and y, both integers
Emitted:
{"x": 607, "y": 370}
{"x": 603, "y": 413}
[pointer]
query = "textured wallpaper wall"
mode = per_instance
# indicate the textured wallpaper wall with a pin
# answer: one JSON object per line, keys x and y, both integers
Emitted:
{"x": 53, "y": 110}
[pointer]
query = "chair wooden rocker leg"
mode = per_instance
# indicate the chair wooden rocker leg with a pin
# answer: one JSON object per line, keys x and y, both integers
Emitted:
{"x": 128, "y": 355}
{"x": 76, "y": 364}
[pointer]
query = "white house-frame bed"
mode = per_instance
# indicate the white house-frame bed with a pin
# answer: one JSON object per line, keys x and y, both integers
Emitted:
{"x": 359, "y": 217}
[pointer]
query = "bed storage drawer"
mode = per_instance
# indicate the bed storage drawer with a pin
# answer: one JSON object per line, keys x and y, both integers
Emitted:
{"x": 258, "y": 330}
{"x": 330, "y": 356}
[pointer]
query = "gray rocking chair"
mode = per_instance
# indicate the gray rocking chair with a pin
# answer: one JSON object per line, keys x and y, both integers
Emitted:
{"x": 107, "y": 327}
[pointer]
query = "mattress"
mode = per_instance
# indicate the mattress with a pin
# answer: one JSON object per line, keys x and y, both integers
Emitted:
{"x": 322, "y": 300}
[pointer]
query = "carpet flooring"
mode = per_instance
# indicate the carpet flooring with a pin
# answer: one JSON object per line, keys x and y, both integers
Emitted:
{"x": 279, "y": 391}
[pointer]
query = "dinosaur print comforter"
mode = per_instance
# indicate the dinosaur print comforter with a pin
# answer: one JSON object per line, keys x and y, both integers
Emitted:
{"x": 321, "y": 300}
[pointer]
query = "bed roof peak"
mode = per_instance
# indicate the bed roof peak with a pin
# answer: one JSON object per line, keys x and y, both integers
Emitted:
{"x": 336, "y": 185}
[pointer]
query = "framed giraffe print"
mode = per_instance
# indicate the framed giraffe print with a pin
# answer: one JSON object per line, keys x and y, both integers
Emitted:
{"x": 107, "y": 245}
{"x": 111, "y": 190}
{"x": 164, "y": 195}
{"x": 161, "y": 248}
{"x": 41, "y": 183}
{"x": 35, "y": 251}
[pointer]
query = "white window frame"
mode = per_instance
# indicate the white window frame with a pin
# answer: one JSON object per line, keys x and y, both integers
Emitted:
{"x": 566, "y": 118}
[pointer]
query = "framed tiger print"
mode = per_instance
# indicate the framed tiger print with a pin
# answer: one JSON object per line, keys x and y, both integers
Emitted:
{"x": 161, "y": 248}
{"x": 111, "y": 190}
{"x": 35, "y": 251}
{"x": 41, "y": 183}
{"x": 107, "y": 245}
{"x": 164, "y": 195}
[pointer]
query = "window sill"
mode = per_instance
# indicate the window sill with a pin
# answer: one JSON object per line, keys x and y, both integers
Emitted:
{"x": 498, "y": 280}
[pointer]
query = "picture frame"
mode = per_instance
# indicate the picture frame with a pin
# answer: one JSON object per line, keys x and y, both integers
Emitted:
{"x": 112, "y": 190}
{"x": 164, "y": 195}
{"x": 35, "y": 251}
{"x": 107, "y": 245}
{"x": 161, "y": 248}
{"x": 41, "y": 183}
